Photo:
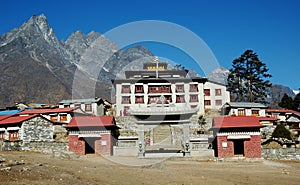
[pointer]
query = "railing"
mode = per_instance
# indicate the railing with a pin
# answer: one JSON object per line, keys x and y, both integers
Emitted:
{"x": 162, "y": 110}
{"x": 88, "y": 132}
{"x": 237, "y": 133}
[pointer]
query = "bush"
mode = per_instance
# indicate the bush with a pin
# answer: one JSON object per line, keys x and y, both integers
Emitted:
{"x": 281, "y": 132}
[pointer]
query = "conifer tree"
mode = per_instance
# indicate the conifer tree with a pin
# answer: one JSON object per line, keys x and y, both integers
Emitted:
{"x": 296, "y": 103}
{"x": 247, "y": 80}
{"x": 286, "y": 102}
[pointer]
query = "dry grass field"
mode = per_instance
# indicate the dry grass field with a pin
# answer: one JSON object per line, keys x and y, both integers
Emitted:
{"x": 37, "y": 168}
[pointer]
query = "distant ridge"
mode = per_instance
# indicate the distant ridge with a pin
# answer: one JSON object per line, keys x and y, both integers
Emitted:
{"x": 37, "y": 67}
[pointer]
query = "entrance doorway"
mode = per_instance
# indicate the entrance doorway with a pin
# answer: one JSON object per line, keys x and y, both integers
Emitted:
{"x": 89, "y": 145}
{"x": 238, "y": 149}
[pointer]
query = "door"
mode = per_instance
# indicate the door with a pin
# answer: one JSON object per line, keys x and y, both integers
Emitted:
{"x": 89, "y": 145}
{"x": 238, "y": 145}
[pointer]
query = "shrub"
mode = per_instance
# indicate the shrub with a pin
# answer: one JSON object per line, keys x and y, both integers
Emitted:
{"x": 281, "y": 132}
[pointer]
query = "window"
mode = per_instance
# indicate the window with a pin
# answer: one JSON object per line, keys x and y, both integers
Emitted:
{"x": 193, "y": 87}
{"x": 218, "y": 92}
{"x": 241, "y": 112}
{"x": 180, "y": 88}
{"x": 139, "y": 99}
{"x": 153, "y": 99}
{"x": 139, "y": 89}
{"x": 193, "y": 98}
{"x": 125, "y": 99}
{"x": 168, "y": 99}
{"x": 180, "y": 99}
{"x": 63, "y": 117}
{"x": 218, "y": 102}
{"x": 13, "y": 135}
{"x": 207, "y": 92}
{"x": 66, "y": 106}
{"x": 54, "y": 118}
{"x": 125, "y": 89}
{"x": 255, "y": 112}
{"x": 2, "y": 135}
{"x": 160, "y": 89}
{"x": 207, "y": 102}
{"x": 88, "y": 107}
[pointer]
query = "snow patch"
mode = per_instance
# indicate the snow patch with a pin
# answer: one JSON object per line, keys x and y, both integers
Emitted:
{"x": 3, "y": 44}
{"x": 105, "y": 69}
{"x": 296, "y": 92}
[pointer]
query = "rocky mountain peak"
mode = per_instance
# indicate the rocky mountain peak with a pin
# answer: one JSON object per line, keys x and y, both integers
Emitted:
{"x": 34, "y": 30}
{"x": 219, "y": 75}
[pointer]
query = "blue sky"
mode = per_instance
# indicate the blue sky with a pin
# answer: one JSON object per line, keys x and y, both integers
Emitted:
{"x": 269, "y": 27}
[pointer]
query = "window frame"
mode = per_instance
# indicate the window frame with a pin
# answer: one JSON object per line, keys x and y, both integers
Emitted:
{"x": 206, "y": 92}
{"x": 218, "y": 92}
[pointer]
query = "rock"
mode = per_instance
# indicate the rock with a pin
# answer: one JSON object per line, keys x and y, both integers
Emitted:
{"x": 6, "y": 169}
{"x": 2, "y": 159}
{"x": 25, "y": 169}
{"x": 64, "y": 154}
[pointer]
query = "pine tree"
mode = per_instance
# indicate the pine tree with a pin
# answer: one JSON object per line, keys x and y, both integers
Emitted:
{"x": 286, "y": 102}
{"x": 281, "y": 132}
{"x": 296, "y": 103}
{"x": 247, "y": 78}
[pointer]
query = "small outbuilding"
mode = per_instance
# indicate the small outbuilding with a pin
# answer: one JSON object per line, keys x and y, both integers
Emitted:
{"x": 92, "y": 135}
{"x": 237, "y": 136}
{"x": 28, "y": 128}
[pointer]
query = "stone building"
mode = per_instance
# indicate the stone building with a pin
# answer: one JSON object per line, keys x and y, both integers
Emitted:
{"x": 92, "y": 135}
{"x": 30, "y": 128}
{"x": 237, "y": 136}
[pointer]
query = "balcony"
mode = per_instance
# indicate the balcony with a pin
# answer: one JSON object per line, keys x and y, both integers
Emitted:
{"x": 160, "y": 89}
{"x": 158, "y": 110}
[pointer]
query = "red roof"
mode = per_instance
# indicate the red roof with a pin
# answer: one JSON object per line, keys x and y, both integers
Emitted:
{"x": 5, "y": 117}
{"x": 47, "y": 111}
{"x": 16, "y": 119}
{"x": 236, "y": 122}
{"x": 92, "y": 121}
{"x": 283, "y": 111}
{"x": 267, "y": 118}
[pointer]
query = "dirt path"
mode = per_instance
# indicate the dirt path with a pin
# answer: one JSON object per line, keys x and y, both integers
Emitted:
{"x": 36, "y": 168}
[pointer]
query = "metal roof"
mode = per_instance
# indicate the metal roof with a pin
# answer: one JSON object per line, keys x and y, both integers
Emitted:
{"x": 47, "y": 111}
{"x": 9, "y": 112}
{"x": 92, "y": 121}
{"x": 88, "y": 100}
{"x": 246, "y": 105}
{"x": 16, "y": 119}
{"x": 236, "y": 122}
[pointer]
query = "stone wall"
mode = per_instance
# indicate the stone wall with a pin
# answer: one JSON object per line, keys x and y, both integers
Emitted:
{"x": 45, "y": 147}
{"x": 281, "y": 153}
{"x": 36, "y": 129}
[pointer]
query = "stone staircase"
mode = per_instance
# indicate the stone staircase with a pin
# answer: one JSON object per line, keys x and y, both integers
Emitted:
{"x": 162, "y": 139}
{"x": 161, "y": 133}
